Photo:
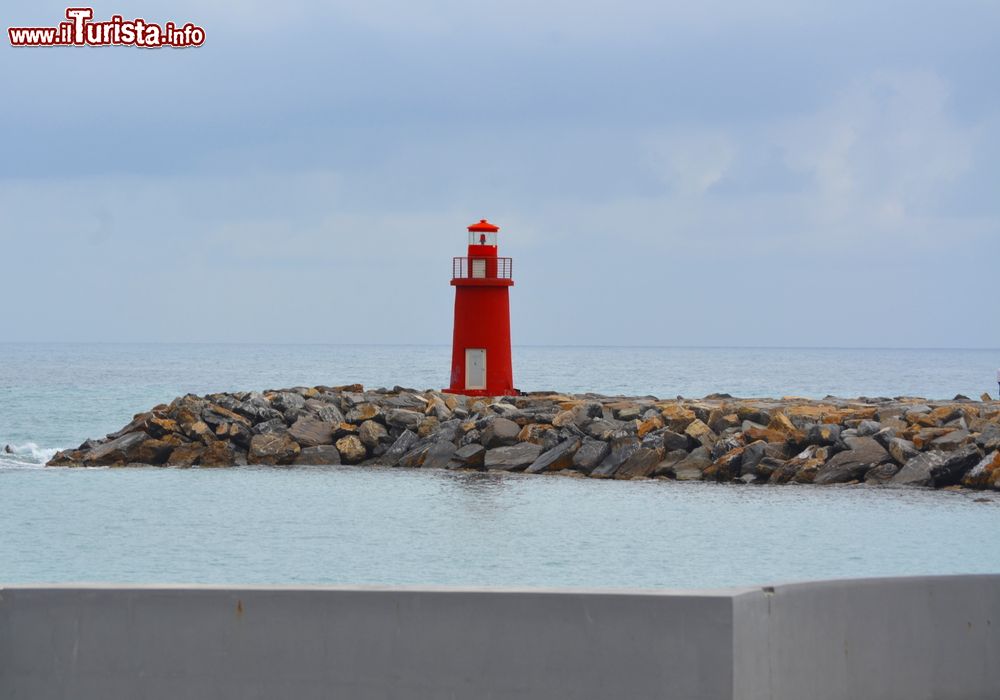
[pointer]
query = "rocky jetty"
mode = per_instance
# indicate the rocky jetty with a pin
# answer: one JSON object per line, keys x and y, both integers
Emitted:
{"x": 901, "y": 441}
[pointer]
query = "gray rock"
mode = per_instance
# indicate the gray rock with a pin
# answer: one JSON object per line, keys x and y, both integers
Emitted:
{"x": 470, "y": 438}
{"x": 286, "y": 401}
{"x": 601, "y": 429}
{"x": 938, "y": 468}
{"x": 641, "y": 464}
{"x": 275, "y": 425}
{"x": 512, "y": 457}
{"x": 902, "y": 451}
{"x": 867, "y": 428}
{"x": 416, "y": 456}
{"x": 500, "y": 432}
{"x": 325, "y": 411}
{"x": 439, "y": 455}
{"x": 862, "y": 454}
{"x": 952, "y": 441}
{"x": 621, "y": 449}
{"x": 448, "y": 431}
{"x": 669, "y": 461}
{"x": 310, "y": 432}
{"x": 119, "y": 451}
{"x": 882, "y": 473}
{"x": 989, "y": 438}
{"x": 591, "y": 453}
{"x": 675, "y": 441}
{"x": 693, "y": 467}
{"x": 404, "y": 418}
{"x": 470, "y": 456}
{"x": 753, "y": 454}
{"x": 556, "y": 458}
{"x": 317, "y": 456}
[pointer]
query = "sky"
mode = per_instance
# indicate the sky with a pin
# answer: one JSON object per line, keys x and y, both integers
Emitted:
{"x": 761, "y": 173}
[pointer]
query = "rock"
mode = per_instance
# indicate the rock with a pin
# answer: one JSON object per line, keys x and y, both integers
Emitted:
{"x": 669, "y": 461}
{"x": 439, "y": 455}
{"x": 319, "y": 455}
{"x": 938, "y": 468}
{"x": 512, "y": 457}
{"x": 985, "y": 396}
{"x": 986, "y": 474}
{"x": 557, "y": 458}
{"x": 621, "y": 449}
{"x": 534, "y": 432}
{"x": 286, "y": 401}
{"x": 952, "y": 441}
{"x": 500, "y": 432}
{"x": 603, "y": 429}
{"x": 157, "y": 451}
{"x": 823, "y": 434}
{"x": 275, "y": 425}
{"x": 218, "y": 454}
{"x": 885, "y": 436}
{"x": 185, "y": 455}
{"x": 372, "y": 433}
{"x": 640, "y": 465}
{"x": 677, "y": 417}
{"x": 273, "y": 448}
{"x": 693, "y": 466}
{"x": 310, "y": 432}
{"x": 650, "y": 424}
{"x": 324, "y": 411}
{"x": 416, "y": 456}
{"x": 753, "y": 455}
{"x": 726, "y": 467}
{"x": 700, "y": 432}
{"x": 902, "y": 451}
{"x": 882, "y": 473}
{"x": 591, "y": 453}
{"x": 403, "y": 444}
{"x": 564, "y": 419}
{"x": 676, "y": 441}
{"x": 753, "y": 414}
{"x": 867, "y": 428}
{"x": 351, "y": 449}
{"x": 404, "y": 418}
{"x": 159, "y": 427}
{"x": 365, "y": 411}
{"x": 117, "y": 452}
{"x": 989, "y": 439}
{"x": 470, "y": 456}
{"x": 862, "y": 454}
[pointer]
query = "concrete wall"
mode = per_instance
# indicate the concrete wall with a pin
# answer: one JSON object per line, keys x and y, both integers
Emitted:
{"x": 892, "y": 638}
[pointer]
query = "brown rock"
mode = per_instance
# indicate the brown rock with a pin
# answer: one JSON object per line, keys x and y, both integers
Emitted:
{"x": 117, "y": 452}
{"x": 273, "y": 448}
{"x": 371, "y": 433}
{"x": 351, "y": 449}
{"x": 157, "y": 451}
{"x": 985, "y": 475}
{"x": 677, "y": 417}
{"x": 533, "y": 433}
{"x": 218, "y": 454}
{"x": 320, "y": 455}
{"x": 158, "y": 427}
{"x": 640, "y": 465}
{"x": 185, "y": 455}
{"x": 650, "y": 424}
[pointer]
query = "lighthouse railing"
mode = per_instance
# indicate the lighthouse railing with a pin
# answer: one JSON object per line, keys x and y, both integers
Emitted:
{"x": 482, "y": 268}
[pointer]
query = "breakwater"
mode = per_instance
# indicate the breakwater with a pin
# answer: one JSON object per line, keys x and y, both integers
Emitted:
{"x": 898, "y": 441}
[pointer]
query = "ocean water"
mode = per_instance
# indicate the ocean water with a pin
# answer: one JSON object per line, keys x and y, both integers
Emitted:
{"x": 370, "y": 525}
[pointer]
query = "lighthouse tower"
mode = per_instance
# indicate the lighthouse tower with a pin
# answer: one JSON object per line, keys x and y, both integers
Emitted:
{"x": 480, "y": 355}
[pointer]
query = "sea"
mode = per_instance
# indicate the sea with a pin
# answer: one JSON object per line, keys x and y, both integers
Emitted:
{"x": 364, "y": 525}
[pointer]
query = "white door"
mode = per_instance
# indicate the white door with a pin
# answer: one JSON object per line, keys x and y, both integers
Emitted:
{"x": 475, "y": 368}
{"x": 478, "y": 267}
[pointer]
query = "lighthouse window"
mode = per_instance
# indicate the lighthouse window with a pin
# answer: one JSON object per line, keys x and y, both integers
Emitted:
{"x": 483, "y": 238}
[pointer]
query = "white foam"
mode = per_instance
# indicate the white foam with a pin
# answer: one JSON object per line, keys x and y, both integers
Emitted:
{"x": 28, "y": 453}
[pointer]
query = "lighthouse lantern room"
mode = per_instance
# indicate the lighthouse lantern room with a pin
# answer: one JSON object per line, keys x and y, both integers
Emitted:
{"x": 480, "y": 357}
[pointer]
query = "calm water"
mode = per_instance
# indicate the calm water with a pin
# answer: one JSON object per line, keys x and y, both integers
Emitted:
{"x": 358, "y": 525}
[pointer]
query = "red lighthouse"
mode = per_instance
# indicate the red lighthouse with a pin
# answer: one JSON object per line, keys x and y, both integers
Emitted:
{"x": 480, "y": 354}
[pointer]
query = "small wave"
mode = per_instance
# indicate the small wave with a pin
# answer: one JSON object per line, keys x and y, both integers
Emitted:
{"x": 27, "y": 454}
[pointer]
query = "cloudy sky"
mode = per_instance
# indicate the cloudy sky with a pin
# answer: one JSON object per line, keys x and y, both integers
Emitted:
{"x": 767, "y": 173}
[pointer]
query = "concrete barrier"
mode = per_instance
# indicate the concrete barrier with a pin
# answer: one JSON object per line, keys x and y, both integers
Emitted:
{"x": 908, "y": 638}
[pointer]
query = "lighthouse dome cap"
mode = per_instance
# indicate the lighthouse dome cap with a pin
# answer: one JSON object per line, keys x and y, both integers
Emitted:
{"x": 484, "y": 226}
